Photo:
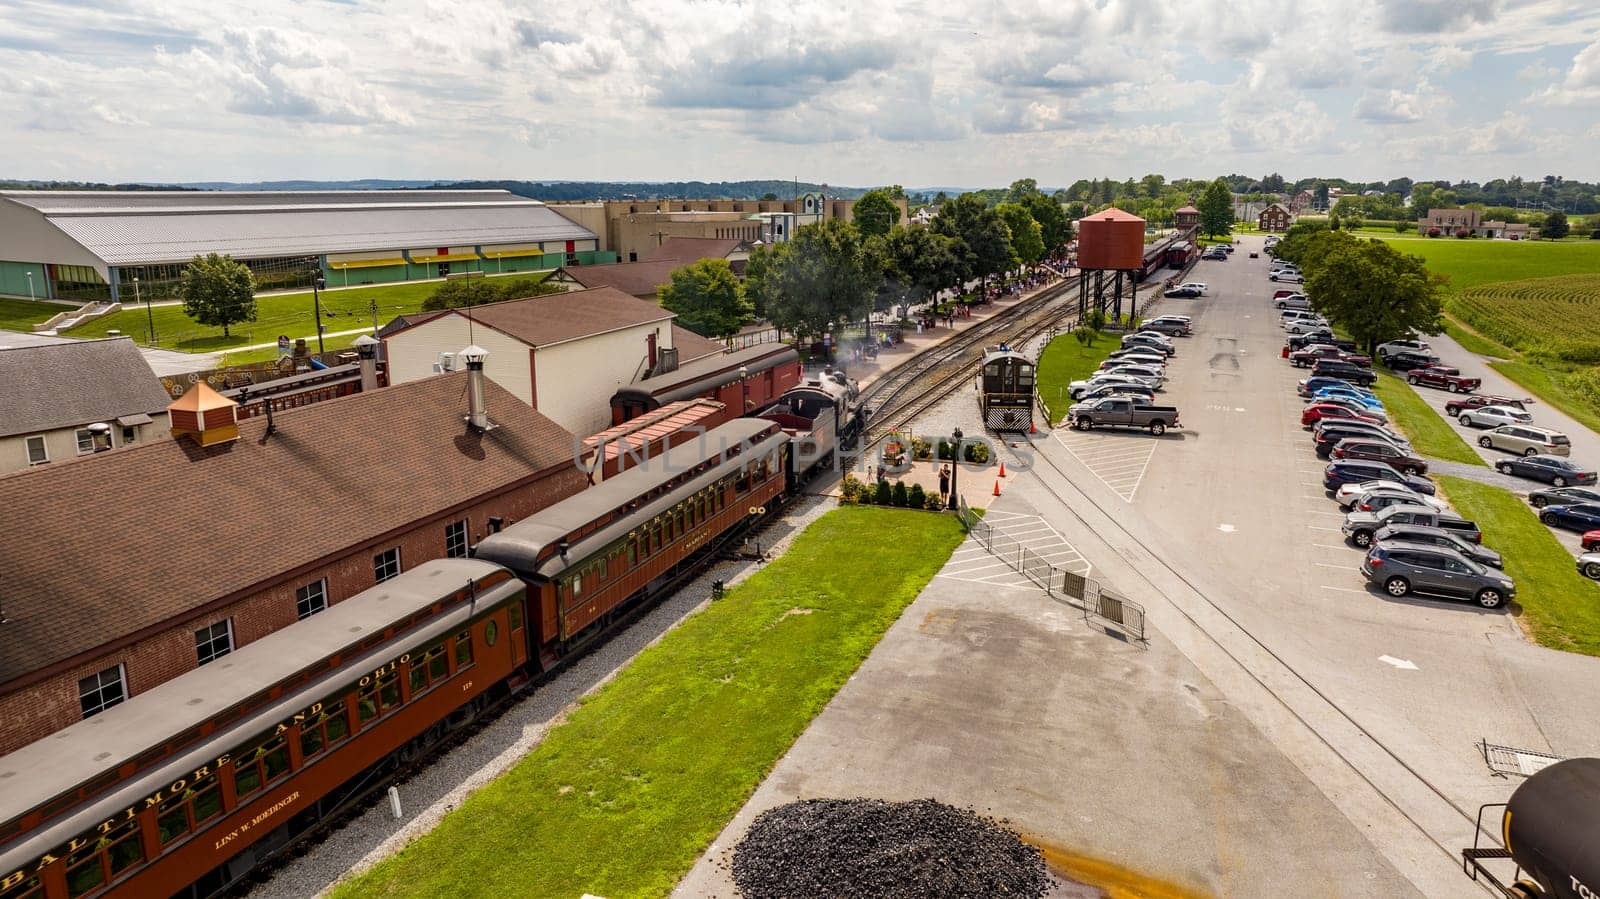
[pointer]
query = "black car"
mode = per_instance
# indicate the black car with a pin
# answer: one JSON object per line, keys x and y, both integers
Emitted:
{"x": 1432, "y": 536}
{"x": 1562, "y": 496}
{"x": 1557, "y": 471}
{"x": 1183, "y": 292}
{"x": 1360, "y": 471}
{"x": 1580, "y": 517}
{"x": 1301, "y": 341}
{"x": 1333, "y": 430}
{"x": 1405, "y": 360}
{"x": 1344, "y": 371}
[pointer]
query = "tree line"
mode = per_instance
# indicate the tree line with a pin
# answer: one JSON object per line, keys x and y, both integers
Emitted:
{"x": 1373, "y": 291}
{"x": 833, "y": 272}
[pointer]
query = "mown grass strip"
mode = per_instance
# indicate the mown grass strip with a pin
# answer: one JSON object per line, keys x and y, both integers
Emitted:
{"x": 1476, "y": 343}
{"x": 1428, "y": 432}
{"x": 621, "y": 799}
{"x": 1545, "y": 381}
{"x": 1065, "y": 360}
{"x": 1559, "y": 607}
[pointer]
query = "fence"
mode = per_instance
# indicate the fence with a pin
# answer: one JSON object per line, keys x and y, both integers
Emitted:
{"x": 1088, "y": 593}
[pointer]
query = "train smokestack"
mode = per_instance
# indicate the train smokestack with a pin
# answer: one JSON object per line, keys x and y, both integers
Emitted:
{"x": 477, "y": 409}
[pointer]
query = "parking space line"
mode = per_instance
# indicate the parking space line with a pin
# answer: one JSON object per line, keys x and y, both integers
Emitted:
{"x": 1329, "y": 546}
{"x": 1320, "y": 528}
{"x": 1343, "y": 589}
{"x": 1345, "y": 567}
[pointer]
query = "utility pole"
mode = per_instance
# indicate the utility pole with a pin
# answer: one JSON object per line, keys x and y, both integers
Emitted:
{"x": 316, "y": 305}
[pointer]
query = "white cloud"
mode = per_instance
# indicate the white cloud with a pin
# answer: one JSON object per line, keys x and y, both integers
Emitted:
{"x": 1582, "y": 82}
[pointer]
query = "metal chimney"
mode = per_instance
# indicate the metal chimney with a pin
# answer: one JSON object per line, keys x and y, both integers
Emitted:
{"x": 367, "y": 346}
{"x": 477, "y": 411}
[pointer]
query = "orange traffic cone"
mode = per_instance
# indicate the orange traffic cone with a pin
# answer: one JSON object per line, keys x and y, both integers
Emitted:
{"x": 1032, "y": 428}
{"x": 996, "y": 488}
{"x": 1002, "y": 468}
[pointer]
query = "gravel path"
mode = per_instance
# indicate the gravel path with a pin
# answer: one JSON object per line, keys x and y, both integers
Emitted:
{"x": 449, "y": 779}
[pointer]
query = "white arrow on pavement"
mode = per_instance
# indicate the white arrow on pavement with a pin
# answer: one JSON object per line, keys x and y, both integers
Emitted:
{"x": 1403, "y": 664}
{"x": 1225, "y": 528}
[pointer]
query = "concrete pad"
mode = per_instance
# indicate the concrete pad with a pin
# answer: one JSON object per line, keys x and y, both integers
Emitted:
{"x": 1006, "y": 700}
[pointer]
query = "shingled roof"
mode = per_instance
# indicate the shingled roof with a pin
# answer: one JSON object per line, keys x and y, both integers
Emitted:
{"x": 636, "y": 279}
{"x": 143, "y": 538}
{"x": 693, "y": 249}
{"x": 63, "y": 385}
{"x": 559, "y": 317}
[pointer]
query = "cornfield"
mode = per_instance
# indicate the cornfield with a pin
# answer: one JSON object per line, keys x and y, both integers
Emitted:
{"x": 1551, "y": 318}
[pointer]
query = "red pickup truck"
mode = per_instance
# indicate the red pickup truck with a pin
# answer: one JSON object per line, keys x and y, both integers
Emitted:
{"x": 1442, "y": 377}
{"x": 1309, "y": 356}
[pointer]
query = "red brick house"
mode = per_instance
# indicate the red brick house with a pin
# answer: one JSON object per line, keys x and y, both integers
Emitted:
{"x": 1274, "y": 218}
{"x": 130, "y": 568}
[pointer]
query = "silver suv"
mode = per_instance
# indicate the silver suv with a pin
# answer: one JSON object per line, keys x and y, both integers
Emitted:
{"x": 1403, "y": 568}
{"x": 1527, "y": 440}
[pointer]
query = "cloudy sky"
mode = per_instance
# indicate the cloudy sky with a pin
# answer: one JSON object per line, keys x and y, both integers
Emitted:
{"x": 921, "y": 93}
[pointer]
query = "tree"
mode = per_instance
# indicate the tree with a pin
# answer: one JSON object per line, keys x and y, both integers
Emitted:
{"x": 762, "y": 284}
{"x": 1373, "y": 291}
{"x": 1273, "y": 183}
{"x": 916, "y": 263}
{"x": 824, "y": 276}
{"x": 1216, "y": 209}
{"x": 983, "y": 243}
{"x": 769, "y": 195}
{"x": 218, "y": 292}
{"x": 1555, "y": 224}
{"x": 707, "y": 298}
{"x": 1054, "y": 229}
{"x": 1320, "y": 197}
{"x": 1021, "y": 189}
{"x": 468, "y": 292}
{"x": 1026, "y": 240}
{"x": 875, "y": 213}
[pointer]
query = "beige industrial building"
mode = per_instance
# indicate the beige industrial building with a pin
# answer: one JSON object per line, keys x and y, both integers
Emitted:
{"x": 632, "y": 229}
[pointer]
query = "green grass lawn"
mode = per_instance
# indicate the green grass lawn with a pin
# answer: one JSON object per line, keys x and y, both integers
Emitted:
{"x": 1065, "y": 360}
{"x": 1428, "y": 432}
{"x": 281, "y": 313}
{"x": 1473, "y": 342}
{"x": 621, "y": 798}
{"x": 1469, "y": 263}
{"x": 22, "y": 315}
{"x": 1559, "y": 607}
{"x": 1545, "y": 381}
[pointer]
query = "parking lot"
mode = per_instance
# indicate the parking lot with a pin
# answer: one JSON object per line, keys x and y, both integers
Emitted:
{"x": 1241, "y": 495}
{"x": 974, "y": 563}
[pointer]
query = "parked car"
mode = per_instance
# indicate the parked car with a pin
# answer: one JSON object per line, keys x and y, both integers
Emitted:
{"x": 1138, "y": 352}
{"x": 1350, "y": 495}
{"x": 1589, "y": 565}
{"x": 1360, "y": 527}
{"x": 1350, "y": 392}
{"x": 1282, "y": 292}
{"x": 1077, "y": 389}
{"x": 1443, "y": 377}
{"x": 1154, "y": 375}
{"x": 1148, "y": 339}
{"x": 1407, "y": 360}
{"x": 1291, "y": 277}
{"x": 1312, "y": 354}
{"x": 1583, "y": 517}
{"x": 1167, "y": 326}
{"x": 1121, "y": 412}
{"x": 1225, "y": 247}
{"x": 1359, "y": 471}
{"x": 1432, "y": 536}
{"x": 1357, "y": 405}
{"x": 1305, "y": 325}
{"x": 1379, "y": 451}
{"x": 1312, "y": 338}
{"x": 1493, "y": 417}
{"x": 1328, "y": 432}
{"x": 1311, "y": 385}
{"x": 1215, "y": 254}
{"x": 1149, "y": 358}
{"x": 1294, "y": 300}
{"x": 1390, "y": 347}
{"x": 1318, "y": 411}
{"x": 1527, "y": 440}
{"x": 1197, "y": 285}
{"x": 1553, "y": 470}
{"x": 1181, "y": 293}
{"x": 1560, "y": 496}
{"x": 1405, "y": 568}
{"x": 1137, "y": 391}
{"x": 1456, "y": 404}
{"x": 1348, "y": 371}
{"x": 1590, "y": 541}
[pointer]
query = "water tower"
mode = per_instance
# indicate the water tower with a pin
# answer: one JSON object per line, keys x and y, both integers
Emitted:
{"x": 1110, "y": 258}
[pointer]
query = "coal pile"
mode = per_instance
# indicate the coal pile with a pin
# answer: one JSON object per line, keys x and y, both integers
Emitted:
{"x": 870, "y": 849}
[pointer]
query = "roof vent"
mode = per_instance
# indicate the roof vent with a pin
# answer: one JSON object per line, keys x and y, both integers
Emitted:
{"x": 204, "y": 415}
{"x": 477, "y": 407}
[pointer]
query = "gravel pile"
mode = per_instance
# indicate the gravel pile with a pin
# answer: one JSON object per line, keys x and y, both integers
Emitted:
{"x": 839, "y": 848}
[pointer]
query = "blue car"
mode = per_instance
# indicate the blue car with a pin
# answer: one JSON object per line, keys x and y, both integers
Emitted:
{"x": 1360, "y": 471}
{"x": 1365, "y": 399}
{"x": 1576, "y": 517}
{"x": 1313, "y": 384}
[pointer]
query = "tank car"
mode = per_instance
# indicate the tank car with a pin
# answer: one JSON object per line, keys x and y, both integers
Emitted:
{"x": 1551, "y": 830}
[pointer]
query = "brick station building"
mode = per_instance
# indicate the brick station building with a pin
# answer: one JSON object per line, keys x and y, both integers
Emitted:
{"x": 127, "y": 569}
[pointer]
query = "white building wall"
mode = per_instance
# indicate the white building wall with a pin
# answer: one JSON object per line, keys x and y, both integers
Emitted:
{"x": 61, "y": 444}
{"x": 413, "y": 352}
{"x": 576, "y": 379}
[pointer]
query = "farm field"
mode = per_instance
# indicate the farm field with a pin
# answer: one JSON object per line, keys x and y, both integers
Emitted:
{"x": 621, "y": 798}
{"x": 1469, "y": 263}
{"x": 1557, "y": 317}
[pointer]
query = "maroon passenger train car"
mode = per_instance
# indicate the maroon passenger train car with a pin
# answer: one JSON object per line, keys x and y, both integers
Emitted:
{"x": 182, "y": 790}
{"x": 769, "y": 369}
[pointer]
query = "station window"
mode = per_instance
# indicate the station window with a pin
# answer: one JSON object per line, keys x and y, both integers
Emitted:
{"x": 455, "y": 539}
{"x": 379, "y": 696}
{"x": 98, "y": 692}
{"x": 576, "y": 585}
{"x": 386, "y": 564}
{"x": 259, "y": 765}
{"x": 311, "y": 599}
{"x": 104, "y": 856}
{"x": 328, "y": 728}
{"x": 214, "y": 640}
{"x": 187, "y": 809}
{"x": 428, "y": 668}
{"x": 463, "y": 649}
{"x": 514, "y": 616}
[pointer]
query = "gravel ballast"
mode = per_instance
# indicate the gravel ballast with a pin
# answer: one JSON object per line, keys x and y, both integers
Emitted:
{"x": 838, "y": 848}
